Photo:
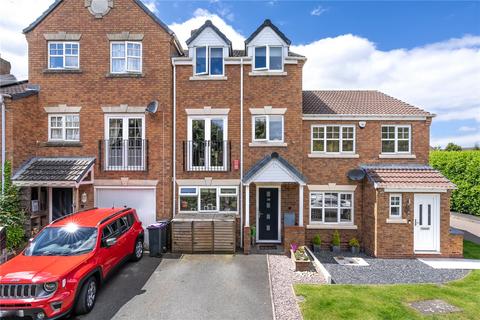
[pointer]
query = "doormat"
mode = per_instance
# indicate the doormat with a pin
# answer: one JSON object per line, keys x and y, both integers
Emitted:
{"x": 267, "y": 247}
{"x": 351, "y": 261}
{"x": 433, "y": 307}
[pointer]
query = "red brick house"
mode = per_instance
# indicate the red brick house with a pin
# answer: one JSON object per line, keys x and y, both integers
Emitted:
{"x": 235, "y": 142}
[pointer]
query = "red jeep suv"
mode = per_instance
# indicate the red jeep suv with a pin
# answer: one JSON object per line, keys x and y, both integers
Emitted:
{"x": 63, "y": 266}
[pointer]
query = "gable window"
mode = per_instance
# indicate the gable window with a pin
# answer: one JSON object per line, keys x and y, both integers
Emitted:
{"x": 63, "y": 55}
{"x": 64, "y": 127}
{"x": 209, "y": 60}
{"x": 396, "y": 139}
{"x": 331, "y": 207}
{"x": 268, "y": 128}
{"x": 208, "y": 199}
{"x": 268, "y": 58}
{"x": 395, "y": 206}
{"x": 126, "y": 57}
{"x": 333, "y": 139}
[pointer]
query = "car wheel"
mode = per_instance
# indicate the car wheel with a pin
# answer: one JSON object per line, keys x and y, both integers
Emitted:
{"x": 87, "y": 297}
{"x": 138, "y": 250}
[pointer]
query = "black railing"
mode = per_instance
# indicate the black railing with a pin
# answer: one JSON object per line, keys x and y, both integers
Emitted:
{"x": 123, "y": 155}
{"x": 206, "y": 155}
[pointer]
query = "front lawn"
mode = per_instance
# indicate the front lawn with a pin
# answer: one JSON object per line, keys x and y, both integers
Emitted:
{"x": 391, "y": 301}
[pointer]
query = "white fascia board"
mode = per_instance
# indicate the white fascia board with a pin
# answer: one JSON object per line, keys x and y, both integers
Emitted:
{"x": 362, "y": 117}
{"x": 422, "y": 190}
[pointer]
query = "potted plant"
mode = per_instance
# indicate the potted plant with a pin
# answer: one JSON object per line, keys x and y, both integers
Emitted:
{"x": 300, "y": 258}
{"x": 354, "y": 245}
{"x": 317, "y": 242}
{"x": 336, "y": 242}
{"x": 253, "y": 234}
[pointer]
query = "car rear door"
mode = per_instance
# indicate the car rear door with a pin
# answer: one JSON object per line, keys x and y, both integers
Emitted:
{"x": 109, "y": 255}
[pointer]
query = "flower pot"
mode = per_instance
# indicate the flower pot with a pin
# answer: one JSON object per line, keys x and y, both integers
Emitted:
{"x": 316, "y": 248}
{"x": 355, "y": 250}
{"x": 300, "y": 265}
{"x": 336, "y": 249}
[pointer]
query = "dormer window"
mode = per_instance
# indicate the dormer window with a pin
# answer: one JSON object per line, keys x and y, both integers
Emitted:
{"x": 209, "y": 61}
{"x": 268, "y": 58}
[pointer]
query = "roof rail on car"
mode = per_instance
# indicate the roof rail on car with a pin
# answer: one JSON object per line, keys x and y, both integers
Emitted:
{"x": 71, "y": 214}
{"x": 113, "y": 215}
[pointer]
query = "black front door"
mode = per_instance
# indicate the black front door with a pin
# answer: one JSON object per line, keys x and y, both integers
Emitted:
{"x": 267, "y": 214}
{"x": 61, "y": 202}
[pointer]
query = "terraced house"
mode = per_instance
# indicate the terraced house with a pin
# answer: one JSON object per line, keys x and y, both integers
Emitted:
{"x": 225, "y": 142}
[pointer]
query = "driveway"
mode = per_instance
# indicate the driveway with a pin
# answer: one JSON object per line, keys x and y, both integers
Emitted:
{"x": 469, "y": 224}
{"x": 188, "y": 287}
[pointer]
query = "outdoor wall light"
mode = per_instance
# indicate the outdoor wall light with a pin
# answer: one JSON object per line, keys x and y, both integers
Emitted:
{"x": 84, "y": 197}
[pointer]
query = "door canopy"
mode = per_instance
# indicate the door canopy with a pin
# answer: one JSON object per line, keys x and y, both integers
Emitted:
{"x": 274, "y": 168}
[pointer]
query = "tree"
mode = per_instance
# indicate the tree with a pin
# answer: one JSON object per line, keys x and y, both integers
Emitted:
{"x": 12, "y": 216}
{"x": 476, "y": 146}
{"x": 453, "y": 147}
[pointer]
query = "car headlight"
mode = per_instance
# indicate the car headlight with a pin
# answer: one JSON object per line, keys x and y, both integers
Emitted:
{"x": 50, "y": 286}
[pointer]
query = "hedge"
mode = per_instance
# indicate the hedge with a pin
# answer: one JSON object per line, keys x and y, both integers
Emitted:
{"x": 463, "y": 169}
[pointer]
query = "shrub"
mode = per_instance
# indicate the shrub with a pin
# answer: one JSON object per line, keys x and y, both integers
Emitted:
{"x": 336, "y": 239}
{"x": 463, "y": 169}
{"x": 354, "y": 243}
{"x": 317, "y": 240}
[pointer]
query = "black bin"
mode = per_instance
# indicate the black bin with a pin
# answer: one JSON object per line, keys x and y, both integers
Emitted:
{"x": 157, "y": 238}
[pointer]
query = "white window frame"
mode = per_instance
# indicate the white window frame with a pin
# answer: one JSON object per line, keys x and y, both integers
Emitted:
{"x": 126, "y": 56}
{"x": 339, "y": 222}
{"x": 64, "y": 127}
{"x": 341, "y": 127}
{"x": 198, "y": 195}
{"x": 208, "y": 71}
{"x": 267, "y": 62}
{"x": 399, "y": 196}
{"x": 396, "y": 139}
{"x": 64, "y": 55}
{"x": 267, "y": 128}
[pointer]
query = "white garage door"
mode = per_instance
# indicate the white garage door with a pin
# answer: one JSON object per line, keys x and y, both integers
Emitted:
{"x": 142, "y": 200}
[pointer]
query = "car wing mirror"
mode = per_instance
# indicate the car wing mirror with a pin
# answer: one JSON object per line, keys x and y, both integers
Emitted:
{"x": 110, "y": 242}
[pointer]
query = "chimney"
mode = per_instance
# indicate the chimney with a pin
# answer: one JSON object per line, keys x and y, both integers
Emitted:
{"x": 5, "y": 66}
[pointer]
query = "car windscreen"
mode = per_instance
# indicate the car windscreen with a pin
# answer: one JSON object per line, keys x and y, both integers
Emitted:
{"x": 67, "y": 240}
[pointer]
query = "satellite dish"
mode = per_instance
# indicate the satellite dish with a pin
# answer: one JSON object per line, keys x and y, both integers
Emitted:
{"x": 356, "y": 174}
{"x": 152, "y": 107}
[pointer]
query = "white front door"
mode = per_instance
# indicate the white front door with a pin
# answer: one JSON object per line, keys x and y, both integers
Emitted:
{"x": 427, "y": 223}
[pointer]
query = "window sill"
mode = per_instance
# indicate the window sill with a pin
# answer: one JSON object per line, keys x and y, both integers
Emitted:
{"x": 207, "y": 78}
{"x": 396, "y": 156}
{"x": 267, "y": 73}
{"x": 332, "y": 226}
{"x": 125, "y": 75}
{"x": 267, "y": 144}
{"x": 61, "y": 71}
{"x": 334, "y": 155}
{"x": 68, "y": 144}
{"x": 397, "y": 220}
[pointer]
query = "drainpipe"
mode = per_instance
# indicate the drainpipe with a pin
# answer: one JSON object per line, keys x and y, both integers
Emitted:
{"x": 174, "y": 165}
{"x": 241, "y": 152}
{"x": 2, "y": 102}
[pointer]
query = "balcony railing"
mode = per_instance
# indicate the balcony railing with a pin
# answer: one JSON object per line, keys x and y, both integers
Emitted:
{"x": 206, "y": 155}
{"x": 123, "y": 155}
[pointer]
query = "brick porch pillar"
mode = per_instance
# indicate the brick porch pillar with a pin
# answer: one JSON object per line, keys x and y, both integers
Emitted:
{"x": 246, "y": 240}
{"x": 293, "y": 234}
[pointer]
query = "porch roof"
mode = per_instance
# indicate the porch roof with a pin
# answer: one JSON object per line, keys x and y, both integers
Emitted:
{"x": 273, "y": 168}
{"x": 405, "y": 177}
{"x": 53, "y": 171}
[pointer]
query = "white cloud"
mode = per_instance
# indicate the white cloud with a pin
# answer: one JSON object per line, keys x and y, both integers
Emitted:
{"x": 467, "y": 129}
{"x": 151, "y": 5}
{"x": 464, "y": 141}
{"x": 318, "y": 11}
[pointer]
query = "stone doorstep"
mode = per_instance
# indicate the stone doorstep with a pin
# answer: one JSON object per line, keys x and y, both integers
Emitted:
{"x": 436, "y": 306}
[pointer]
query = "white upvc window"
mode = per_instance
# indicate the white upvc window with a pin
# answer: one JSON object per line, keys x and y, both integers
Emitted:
{"x": 333, "y": 139}
{"x": 395, "y": 206}
{"x": 125, "y": 57}
{"x": 64, "y": 127}
{"x": 331, "y": 207}
{"x": 208, "y": 199}
{"x": 268, "y": 58}
{"x": 209, "y": 61}
{"x": 268, "y": 128}
{"x": 396, "y": 139}
{"x": 63, "y": 55}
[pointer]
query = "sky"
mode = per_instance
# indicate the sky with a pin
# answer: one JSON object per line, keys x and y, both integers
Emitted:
{"x": 426, "y": 53}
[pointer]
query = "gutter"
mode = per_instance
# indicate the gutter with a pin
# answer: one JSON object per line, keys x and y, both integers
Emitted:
{"x": 174, "y": 156}
{"x": 2, "y": 102}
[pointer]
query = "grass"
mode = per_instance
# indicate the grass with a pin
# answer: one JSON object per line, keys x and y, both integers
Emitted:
{"x": 391, "y": 301}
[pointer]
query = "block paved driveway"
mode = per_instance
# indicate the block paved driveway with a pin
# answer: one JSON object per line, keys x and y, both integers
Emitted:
{"x": 188, "y": 287}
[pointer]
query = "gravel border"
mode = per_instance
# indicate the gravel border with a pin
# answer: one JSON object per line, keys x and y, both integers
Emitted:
{"x": 282, "y": 278}
{"x": 386, "y": 271}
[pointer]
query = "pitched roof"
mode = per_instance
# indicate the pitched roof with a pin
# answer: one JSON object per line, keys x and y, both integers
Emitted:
{"x": 209, "y": 24}
{"x": 266, "y": 160}
{"x": 18, "y": 89}
{"x": 72, "y": 169}
{"x": 268, "y": 23}
{"x": 356, "y": 102}
{"x": 406, "y": 176}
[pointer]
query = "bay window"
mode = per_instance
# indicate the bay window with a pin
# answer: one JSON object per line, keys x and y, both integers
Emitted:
{"x": 209, "y": 61}
{"x": 268, "y": 58}
{"x": 333, "y": 139}
{"x": 63, "y": 55}
{"x": 64, "y": 127}
{"x": 208, "y": 199}
{"x": 396, "y": 139}
{"x": 331, "y": 207}
{"x": 268, "y": 128}
{"x": 125, "y": 57}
